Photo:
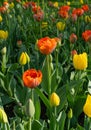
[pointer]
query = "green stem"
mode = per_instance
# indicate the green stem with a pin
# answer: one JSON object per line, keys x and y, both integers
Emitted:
{"x": 13, "y": 125}
{"x": 68, "y": 127}
{"x": 40, "y": 30}
{"x": 22, "y": 69}
{"x": 89, "y": 123}
{"x": 55, "y": 112}
{"x": 3, "y": 63}
{"x": 48, "y": 74}
{"x": 29, "y": 124}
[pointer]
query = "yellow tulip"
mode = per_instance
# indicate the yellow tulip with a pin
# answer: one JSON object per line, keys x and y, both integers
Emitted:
{"x": 1, "y": 18}
{"x": 3, "y": 34}
{"x": 24, "y": 58}
{"x": 87, "y": 106}
{"x": 81, "y": 1}
{"x": 11, "y": 5}
{"x": 28, "y": 58}
{"x": 44, "y": 25}
{"x": 80, "y": 61}
{"x": 70, "y": 113}
{"x": 55, "y": 4}
{"x": 3, "y": 116}
{"x": 54, "y": 99}
{"x": 68, "y": 3}
{"x": 60, "y": 26}
{"x": 87, "y": 19}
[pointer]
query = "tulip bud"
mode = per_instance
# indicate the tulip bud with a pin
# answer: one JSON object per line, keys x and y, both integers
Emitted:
{"x": 70, "y": 113}
{"x": 28, "y": 58}
{"x": 60, "y": 26}
{"x": 73, "y": 38}
{"x": 73, "y": 52}
{"x": 23, "y": 59}
{"x": 54, "y": 99}
{"x": 3, "y": 116}
{"x": 29, "y": 108}
{"x": 3, "y": 51}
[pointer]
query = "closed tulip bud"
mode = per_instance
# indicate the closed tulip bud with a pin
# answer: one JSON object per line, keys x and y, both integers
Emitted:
{"x": 28, "y": 58}
{"x": 73, "y": 38}
{"x": 81, "y": 1}
{"x": 11, "y": 5}
{"x": 44, "y": 25}
{"x": 19, "y": 43}
{"x": 87, "y": 19}
{"x": 3, "y": 51}
{"x": 73, "y": 52}
{"x": 3, "y": 116}
{"x": 70, "y": 113}
{"x": 68, "y": 3}
{"x": 29, "y": 108}
{"x": 60, "y": 26}
{"x": 54, "y": 99}
{"x": 74, "y": 17}
{"x": 55, "y": 4}
{"x": 23, "y": 59}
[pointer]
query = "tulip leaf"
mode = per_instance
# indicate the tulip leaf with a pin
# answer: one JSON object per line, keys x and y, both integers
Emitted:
{"x": 43, "y": 97}
{"x": 36, "y": 125}
{"x": 62, "y": 120}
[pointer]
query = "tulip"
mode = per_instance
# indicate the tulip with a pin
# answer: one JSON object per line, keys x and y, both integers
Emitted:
{"x": 87, "y": 106}
{"x": 54, "y": 99}
{"x": 24, "y": 58}
{"x": 3, "y": 34}
{"x": 80, "y": 61}
{"x": 70, "y": 113}
{"x": 87, "y": 35}
{"x": 32, "y": 78}
{"x": 60, "y": 26}
{"x": 73, "y": 38}
{"x": 29, "y": 108}
{"x": 1, "y": 18}
{"x": 46, "y": 45}
{"x": 3, "y": 116}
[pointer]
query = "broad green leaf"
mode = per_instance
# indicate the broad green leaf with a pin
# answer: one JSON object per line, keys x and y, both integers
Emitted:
{"x": 36, "y": 125}
{"x": 43, "y": 97}
{"x": 62, "y": 120}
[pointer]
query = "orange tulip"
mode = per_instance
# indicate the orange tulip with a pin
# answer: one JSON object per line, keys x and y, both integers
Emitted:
{"x": 46, "y": 45}
{"x": 32, "y": 78}
{"x": 87, "y": 35}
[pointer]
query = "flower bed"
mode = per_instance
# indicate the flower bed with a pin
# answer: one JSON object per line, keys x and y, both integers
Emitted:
{"x": 45, "y": 65}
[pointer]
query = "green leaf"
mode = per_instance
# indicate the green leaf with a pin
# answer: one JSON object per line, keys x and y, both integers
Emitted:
{"x": 61, "y": 120}
{"x": 36, "y": 125}
{"x": 43, "y": 97}
{"x": 20, "y": 127}
{"x": 79, "y": 127}
{"x": 37, "y": 109}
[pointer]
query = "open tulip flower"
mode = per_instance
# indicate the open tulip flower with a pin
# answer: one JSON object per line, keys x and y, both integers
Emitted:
{"x": 32, "y": 78}
{"x": 45, "y": 65}
{"x": 46, "y": 45}
{"x": 80, "y": 61}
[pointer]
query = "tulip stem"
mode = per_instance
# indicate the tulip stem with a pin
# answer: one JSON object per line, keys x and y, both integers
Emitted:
{"x": 30, "y": 124}
{"x": 22, "y": 69}
{"x": 49, "y": 74}
{"x": 3, "y": 63}
{"x": 68, "y": 127}
{"x": 55, "y": 112}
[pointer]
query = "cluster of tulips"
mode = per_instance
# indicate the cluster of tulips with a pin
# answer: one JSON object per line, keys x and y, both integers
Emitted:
{"x": 45, "y": 65}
